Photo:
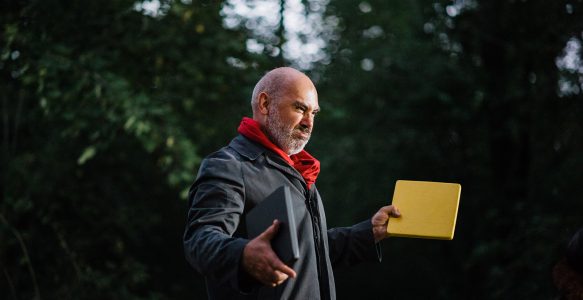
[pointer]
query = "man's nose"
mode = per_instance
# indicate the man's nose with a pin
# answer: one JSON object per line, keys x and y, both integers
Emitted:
{"x": 308, "y": 120}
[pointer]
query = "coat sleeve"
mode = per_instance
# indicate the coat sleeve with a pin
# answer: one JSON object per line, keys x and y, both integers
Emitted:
{"x": 216, "y": 203}
{"x": 352, "y": 245}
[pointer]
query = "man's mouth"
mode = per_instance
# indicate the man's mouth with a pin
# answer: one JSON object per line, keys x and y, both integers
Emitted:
{"x": 304, "y": 134}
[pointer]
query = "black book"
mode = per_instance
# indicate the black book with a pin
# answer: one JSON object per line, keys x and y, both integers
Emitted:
{"x": 278, "y": 206}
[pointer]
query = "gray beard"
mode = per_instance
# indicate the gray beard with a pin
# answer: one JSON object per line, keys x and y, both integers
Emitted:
{"x": 282, "y": 135}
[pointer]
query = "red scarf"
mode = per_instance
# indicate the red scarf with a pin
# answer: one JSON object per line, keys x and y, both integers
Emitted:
{"x": 303, "y": 162}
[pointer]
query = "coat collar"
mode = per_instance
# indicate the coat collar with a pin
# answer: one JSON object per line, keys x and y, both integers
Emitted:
{"x": 246, "y": 147}
{"x": 252, "y": 150}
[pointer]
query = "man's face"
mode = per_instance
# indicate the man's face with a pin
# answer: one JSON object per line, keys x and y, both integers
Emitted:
{"x": 290, "y": 119}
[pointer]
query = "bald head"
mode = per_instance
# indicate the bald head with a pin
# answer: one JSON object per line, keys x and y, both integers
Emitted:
{"x": 285, "y": 103}
{"x": 277, "y": 82}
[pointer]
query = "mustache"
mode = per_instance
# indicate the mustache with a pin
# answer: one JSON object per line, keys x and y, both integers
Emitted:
{"x": 304, "y": 129}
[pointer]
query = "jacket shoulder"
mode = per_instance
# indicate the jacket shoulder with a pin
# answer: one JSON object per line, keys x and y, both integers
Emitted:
{"x": 225, "y": 161}
{"x": 230, "y": 158}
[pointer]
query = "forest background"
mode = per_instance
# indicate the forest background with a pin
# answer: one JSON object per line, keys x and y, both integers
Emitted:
{"x": 108, "y": 107}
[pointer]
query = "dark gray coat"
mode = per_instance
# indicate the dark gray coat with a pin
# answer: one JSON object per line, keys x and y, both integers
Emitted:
{"x": 232, "y": 181}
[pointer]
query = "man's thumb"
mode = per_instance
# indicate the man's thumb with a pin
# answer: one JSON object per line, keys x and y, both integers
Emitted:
{"x": 271, "y": 231}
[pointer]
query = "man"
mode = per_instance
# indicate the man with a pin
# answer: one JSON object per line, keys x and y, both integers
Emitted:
{"x": 267, "y": 154}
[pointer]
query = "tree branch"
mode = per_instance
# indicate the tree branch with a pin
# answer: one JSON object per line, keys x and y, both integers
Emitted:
{"x": 12, "y": 290}
{"x": 26, "y": 256}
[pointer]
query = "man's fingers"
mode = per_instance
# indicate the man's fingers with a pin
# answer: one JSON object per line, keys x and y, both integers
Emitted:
{"x": 283, "y": 268}
{"x": 280, "y": 277}
{"x": 395, "y": 213}
{"x": 380, "y": 220}
{"x": 262, "y": 262}
{"x": 276, "y": 273}
{"x": 391, "y": 210}
{"x": 281, "y": 274}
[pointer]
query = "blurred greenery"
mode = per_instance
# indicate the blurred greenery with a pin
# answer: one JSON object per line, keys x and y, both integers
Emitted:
{"x": 108, "y": 110}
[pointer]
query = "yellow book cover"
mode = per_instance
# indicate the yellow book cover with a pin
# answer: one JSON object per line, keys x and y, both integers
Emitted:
{"x": 428, "y": 209}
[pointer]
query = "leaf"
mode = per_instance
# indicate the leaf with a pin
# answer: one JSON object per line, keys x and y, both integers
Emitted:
{"x": 88, "y": 154}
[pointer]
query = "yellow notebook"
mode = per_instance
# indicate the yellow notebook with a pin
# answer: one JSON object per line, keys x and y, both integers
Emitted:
{"x": 428, "y": 209}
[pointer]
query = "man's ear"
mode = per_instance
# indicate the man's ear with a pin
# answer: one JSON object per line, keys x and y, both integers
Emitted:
{"x": 263, "y": 103}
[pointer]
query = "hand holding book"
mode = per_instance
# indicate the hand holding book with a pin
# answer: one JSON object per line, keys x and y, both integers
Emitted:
{"x": 261, "y": 262}
{"x": 381, "y": 219}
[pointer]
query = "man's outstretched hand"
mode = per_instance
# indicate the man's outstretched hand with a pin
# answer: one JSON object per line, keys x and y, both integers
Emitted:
{"x": 262, "y": 263}
{"x": 380, "y": 220}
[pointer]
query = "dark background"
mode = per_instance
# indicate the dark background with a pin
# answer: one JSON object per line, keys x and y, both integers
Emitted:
{"x": 106, "y": 113}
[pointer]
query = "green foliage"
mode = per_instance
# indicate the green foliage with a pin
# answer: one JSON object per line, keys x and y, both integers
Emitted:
{"x": 106, "y": 112}
{"x": 458, "y": 92}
